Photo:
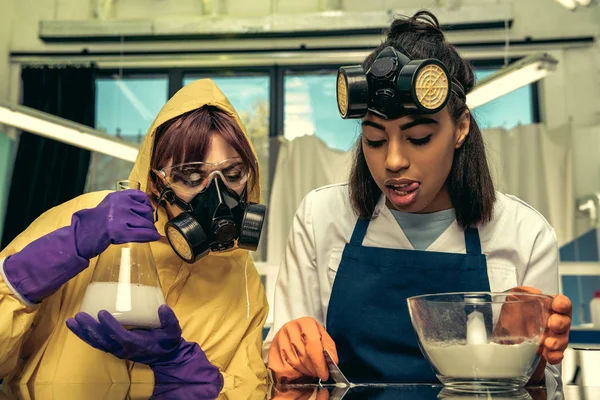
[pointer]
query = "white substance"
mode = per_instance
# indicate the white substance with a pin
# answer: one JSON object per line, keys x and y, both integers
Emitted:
{"x": 489, "y": 361}
{"x": 476, "y": 333}
{"x": 139, "y": 309}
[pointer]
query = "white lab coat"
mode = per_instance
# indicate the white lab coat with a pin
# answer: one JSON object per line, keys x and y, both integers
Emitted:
{"x": 520, "y": 246}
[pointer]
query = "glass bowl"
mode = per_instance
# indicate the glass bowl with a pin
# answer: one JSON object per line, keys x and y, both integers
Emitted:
{"x": 481, "y": 341}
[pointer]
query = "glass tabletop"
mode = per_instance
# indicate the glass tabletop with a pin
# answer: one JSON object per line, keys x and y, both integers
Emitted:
{"x": 290, "y": 392}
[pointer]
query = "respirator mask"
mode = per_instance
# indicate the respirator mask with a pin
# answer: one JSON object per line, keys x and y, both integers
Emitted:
{"x": 394, "y": 86}
{"x": 215, "y": 213}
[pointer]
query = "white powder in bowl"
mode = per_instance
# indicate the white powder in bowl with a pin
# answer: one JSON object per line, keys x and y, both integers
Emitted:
{"x": 488, "y": 361}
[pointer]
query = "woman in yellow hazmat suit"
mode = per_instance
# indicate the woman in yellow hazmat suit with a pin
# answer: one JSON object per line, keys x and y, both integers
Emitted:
{"x": 217, "y": 301}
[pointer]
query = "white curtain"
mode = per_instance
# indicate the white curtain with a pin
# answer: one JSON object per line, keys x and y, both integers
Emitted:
{"x": 536, "y": 165}
{"x": 586, "y": 164}
{"x": 529, "y": 162}
{"x": 303, "y": 164}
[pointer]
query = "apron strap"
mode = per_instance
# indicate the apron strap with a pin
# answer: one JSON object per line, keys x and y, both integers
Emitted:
{"x": 472, "y": 241}
{"x": 360, "y": 230}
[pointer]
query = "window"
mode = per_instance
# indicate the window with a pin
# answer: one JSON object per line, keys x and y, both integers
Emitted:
{"x": 310, "y": 108}
{"x": 250, "y": 96}
{"x": 126, "y": 108}
{"x": 513, "y": 109}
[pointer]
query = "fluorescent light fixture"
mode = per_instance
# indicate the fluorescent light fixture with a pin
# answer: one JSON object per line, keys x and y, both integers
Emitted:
{"x": 573, "y": 4}
{"x": 521, "y": 73}
{"x": 569, "y": 4}
{"x": 63, "y": 130}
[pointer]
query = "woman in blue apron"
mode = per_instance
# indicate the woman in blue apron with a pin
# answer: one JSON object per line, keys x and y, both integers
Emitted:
{"x": 419, "y": 215}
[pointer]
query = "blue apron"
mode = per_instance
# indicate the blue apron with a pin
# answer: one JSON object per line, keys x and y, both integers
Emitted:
{"x": 368, "y": 315}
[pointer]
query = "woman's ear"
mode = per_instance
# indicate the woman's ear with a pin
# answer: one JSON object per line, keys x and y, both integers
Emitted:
{"x": 463, "y": 127}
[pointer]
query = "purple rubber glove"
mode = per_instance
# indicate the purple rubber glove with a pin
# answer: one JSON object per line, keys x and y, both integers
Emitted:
{"x": 185, "y": 391}
{"x": 47, "y": 263}
{"x": 171, "y": 358}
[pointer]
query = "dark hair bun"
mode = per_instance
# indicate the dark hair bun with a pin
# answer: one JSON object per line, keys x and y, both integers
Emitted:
{"x": 423, "y": 22}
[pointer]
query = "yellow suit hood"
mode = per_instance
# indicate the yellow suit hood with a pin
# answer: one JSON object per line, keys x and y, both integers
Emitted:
{"x": 197, "y": 94}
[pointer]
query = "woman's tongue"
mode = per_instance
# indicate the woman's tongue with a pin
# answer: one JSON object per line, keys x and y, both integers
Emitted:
{"x": 405, "y": 189}
{"x": 403, "y": 195}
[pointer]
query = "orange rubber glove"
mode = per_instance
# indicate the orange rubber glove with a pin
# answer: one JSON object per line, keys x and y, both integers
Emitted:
{"x": 557, "y": 330}
{"x": 299, "y": 394}
{"x": 297, "y": 351}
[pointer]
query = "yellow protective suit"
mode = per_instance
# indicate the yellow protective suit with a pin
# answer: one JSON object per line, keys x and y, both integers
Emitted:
{"x": 123, "y": 391}
{"x": 208, "y": 297}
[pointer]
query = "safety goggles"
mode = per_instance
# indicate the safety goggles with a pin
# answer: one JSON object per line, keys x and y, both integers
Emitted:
{"x": 189, "y": 179}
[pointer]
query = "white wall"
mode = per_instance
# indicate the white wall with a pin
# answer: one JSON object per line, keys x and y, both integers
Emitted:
{"x": 535, "y": 18}
{"x": 571, "y": 95}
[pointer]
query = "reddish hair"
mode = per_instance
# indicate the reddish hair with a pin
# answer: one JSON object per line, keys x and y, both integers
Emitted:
{"x": 186, "y": 138}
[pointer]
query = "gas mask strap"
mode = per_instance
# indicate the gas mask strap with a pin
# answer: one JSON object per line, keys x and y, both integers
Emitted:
{"x": 168, "y": 195}
{"x": 244, "y": 195}
{"x": 161, "y": 201}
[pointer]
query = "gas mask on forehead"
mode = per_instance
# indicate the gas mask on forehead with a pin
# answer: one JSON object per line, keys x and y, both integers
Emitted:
{"x": 394, "y": 86}
{"x": 214, "y": 215}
